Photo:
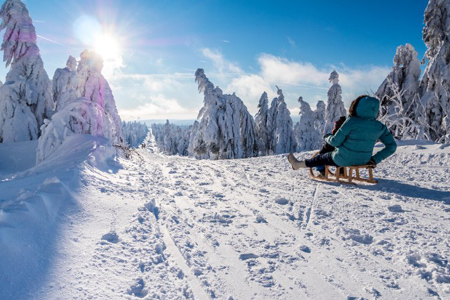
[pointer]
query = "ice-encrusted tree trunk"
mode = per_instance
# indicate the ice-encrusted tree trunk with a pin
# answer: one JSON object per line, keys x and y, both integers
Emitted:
{"x": 305, "y": 132}
{"x": 192, "y": 136}
{"x": 335, "y": 106}
{"x": 225, "y": 128}
{"x": 446, "y": 123}
{"x": 93, "y": 112}
{"x": 261, "y": 124}
{"x": 65, "y": 84}
{"x": 17, "y": 122}
{"x": 398, "y": 94}
{"x": 182, "y": 135}
{"x": 281, "y": 131}
{"x": 319, "y": 122}
{"x": 27, "y": 89}
{"x": 435, "y": 83}
{"x": 421, "y": 125}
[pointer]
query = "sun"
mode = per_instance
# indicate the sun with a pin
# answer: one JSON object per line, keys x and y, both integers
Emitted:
{"x": 103, "y": 40}
{"x": 108, "y": 47}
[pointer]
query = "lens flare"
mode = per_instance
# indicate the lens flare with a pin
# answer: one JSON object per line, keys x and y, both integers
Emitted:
{"x": 86, "y": 28}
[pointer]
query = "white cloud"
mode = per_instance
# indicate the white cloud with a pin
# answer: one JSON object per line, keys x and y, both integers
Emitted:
{"x": 220, "y": 63}
{"x": 305, "y": 79}
{"x": 363, "y": 79}
{"x": 161, "y": 96}
{"x": 249, "y": 88}
{"x": 277, "y": 70}
{"x": 158, "y": 107}
{"x": 175, "y": 96}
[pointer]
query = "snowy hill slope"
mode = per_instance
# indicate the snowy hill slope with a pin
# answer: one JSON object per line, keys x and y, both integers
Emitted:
{"x": 167, "y": 227}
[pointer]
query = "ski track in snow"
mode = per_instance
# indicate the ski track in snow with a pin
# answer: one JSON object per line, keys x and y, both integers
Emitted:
{"x": 311, "y": 207}
{"x": 169, "y": 227}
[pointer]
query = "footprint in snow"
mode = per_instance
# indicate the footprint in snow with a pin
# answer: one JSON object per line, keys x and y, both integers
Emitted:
{"x": 138, "y": 289}
{"x": 218, "y": 195}
{"x": 305, "y": 249}
{"x": 180, "y": 274}
{"x": 260, "y": 219}
{"x": 396, "y": 208}
{"x": 362, "y": 238}
{"x": 282, "y": 201}
{"x": 111, "y": 237}
{"x": 246, "y": 256}
{"x": 153, "y": 208}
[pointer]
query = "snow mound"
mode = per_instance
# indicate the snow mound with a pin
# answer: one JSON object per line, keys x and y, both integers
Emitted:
{"x": 36, "y": 202}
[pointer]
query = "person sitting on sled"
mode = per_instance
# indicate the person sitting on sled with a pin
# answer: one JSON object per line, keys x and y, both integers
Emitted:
{"x": 355, "y": 140}
{"x": 327, "y": 147}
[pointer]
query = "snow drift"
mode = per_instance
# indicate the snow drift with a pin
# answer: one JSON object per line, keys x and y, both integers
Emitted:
{"x": 168, "y": 227}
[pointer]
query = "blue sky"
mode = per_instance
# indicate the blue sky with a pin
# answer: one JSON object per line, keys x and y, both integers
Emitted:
{"x": 245, "y": 47}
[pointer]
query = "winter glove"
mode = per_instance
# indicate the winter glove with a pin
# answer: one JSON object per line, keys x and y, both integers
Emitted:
{"x": 327, "y": 135}
{"x": 372, "y": 163}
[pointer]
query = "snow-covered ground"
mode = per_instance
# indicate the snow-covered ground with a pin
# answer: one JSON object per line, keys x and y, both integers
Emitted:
{"x": 82, "y": 226}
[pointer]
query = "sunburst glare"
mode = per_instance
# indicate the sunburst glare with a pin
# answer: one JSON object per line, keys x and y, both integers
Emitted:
{"x": 108, "y": 47}
{"x": 96, "y": 37}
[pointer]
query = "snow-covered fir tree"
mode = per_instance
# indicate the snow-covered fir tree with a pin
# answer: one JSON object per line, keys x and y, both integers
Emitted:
{"x": 134, "y": 133}
{"x": 305, "y": 131}
{"x": 435, "y": 84}
{"x": 225, "y": 128}
{"x": 27, "y": 89}
{"x": 65, "y": 84}
{"x": 399, "y": 94}
{"x": 92, "y": 84}
{"x": 171, "y": 139}
{"x": 281, "y": 131}
{"x": 94, "y": 112}
{"x": 335, "y": 106}
{"x": 261, "y": 124}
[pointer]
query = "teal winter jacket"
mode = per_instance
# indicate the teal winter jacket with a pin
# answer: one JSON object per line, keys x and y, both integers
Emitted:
{"x": 355, "y": 140}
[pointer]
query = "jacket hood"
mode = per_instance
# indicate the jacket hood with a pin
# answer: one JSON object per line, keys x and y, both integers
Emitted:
{"x": 368, "y": 108}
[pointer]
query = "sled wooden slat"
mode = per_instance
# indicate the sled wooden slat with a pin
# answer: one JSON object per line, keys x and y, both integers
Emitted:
{"x": 346, "y": 174}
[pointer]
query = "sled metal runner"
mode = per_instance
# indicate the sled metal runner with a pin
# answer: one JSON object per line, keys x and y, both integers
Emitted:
{"x": 348, "y": 174}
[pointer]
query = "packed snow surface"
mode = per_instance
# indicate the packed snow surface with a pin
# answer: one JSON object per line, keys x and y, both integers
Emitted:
{"x": 82, "y": 225}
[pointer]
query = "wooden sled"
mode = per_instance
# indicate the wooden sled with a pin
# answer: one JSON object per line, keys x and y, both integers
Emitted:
{"x": 345, "y": 174}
